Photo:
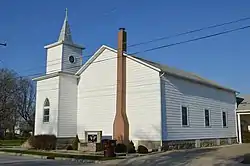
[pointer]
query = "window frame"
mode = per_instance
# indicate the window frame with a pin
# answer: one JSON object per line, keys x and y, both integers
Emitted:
{"x": 209, "y": 117}
{"x": 223, "y": 119}
{"x": 188, "y": 123}
{"x": 46, "y": 107}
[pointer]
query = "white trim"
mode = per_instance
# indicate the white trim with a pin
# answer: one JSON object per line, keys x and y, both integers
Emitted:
{"x": 236, "y": 122}
{"x": 242, "y": 111}
{"x": 63, "y": 42}
{"x": 53, "y": 75}
{"x": 45, "y": 76}
{"x": 239, "y": 125}
{"x": 239, "y": 128}
{"x": 188, "y": 124}
{"x": 146, "y": 64}
{"x": 101, "y": 49}
{"x": 91, "y": 59}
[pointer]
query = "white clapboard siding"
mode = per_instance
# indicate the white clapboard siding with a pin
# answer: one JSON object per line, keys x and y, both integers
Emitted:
{"x": 68, "y": 51}
{"x": 197, "y": 97}
{"x": 143, "y": 102}
{"x": 97, "y": 96}
{"x": 67, "y": 120}
{"x": 54, "y": 59}
{"x": 48, "y": 88}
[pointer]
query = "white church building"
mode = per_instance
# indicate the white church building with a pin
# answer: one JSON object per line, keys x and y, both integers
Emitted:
{"x": 163, "y": 104}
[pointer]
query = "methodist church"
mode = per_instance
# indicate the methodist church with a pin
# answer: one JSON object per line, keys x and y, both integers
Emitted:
{"x": 125, "y": 97}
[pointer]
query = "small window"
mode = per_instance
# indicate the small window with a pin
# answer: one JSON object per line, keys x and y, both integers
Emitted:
{"x": 224, "y": 119}
{"x": 207, "y": 118}
{"x": 184, "y": 112}
{"x": 71, "y": 59}
{"x": 46, "y": 108}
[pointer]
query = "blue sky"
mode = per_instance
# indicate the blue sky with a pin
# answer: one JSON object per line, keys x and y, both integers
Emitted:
{"x": 29, "y": 25}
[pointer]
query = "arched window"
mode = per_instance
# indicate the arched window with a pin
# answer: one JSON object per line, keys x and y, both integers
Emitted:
{"x": 46, "y": 110}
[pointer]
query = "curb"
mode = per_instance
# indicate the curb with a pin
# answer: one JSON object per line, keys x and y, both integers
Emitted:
{"x": 54, "y": 158}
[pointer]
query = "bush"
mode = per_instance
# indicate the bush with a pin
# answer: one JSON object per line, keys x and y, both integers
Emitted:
{"x": 142, "y": 149}
{"x": 43, "y": 142}
{"x": 69, "y": 147}
{"x": 75, "y": 143}
{"x": 26, "y": 134}
{"x": 121, "y": 148}
{"x": 131, "y": 147}
{"x": 9, "y": 136}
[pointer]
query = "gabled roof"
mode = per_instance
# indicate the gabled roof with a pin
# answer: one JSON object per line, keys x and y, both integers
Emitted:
{"x": 245, "y": 104}
{"x": 96, "y": 54}
{"x": 159, "y": 67}
{"x": 183, "y": 74}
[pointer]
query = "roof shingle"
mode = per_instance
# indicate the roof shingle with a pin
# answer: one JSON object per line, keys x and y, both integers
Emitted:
{"x": 183, "y": 74}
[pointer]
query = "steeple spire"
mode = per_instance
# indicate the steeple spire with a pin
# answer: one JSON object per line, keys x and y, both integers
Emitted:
{"x": 66, "y": 14}
{"x": 65, "y": 34}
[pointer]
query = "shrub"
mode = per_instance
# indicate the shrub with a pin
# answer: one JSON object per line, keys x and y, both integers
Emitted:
{"x": 26, "y": 134}
{"x": 9, "y": 136}
{"x": 142, "y": 149}
{"x": 131, "y": 147}
{"x": 43, "y": 142}
{"x": 121, "y": 148}
{"x": 75, "y": 143}
{"x": 69, "y": 147}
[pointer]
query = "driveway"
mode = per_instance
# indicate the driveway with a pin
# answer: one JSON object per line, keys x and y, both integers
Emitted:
{"x": 215, "y": 156}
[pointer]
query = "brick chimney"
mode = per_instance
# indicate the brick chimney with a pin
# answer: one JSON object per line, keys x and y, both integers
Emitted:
{"x": 121, "y": 125}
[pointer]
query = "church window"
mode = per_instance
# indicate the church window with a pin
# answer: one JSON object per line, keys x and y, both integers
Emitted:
{"x": 46, "y": 108}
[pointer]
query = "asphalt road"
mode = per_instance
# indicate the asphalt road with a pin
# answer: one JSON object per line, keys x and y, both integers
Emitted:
{"x": 10, "y": 160}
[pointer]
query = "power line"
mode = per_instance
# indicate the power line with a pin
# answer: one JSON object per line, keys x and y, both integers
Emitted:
{"x": 191, "y": 31}
{"x": 72, "y": 67}
{"x": 154, "y": 40}
{"x": 156, "y": 48}
{"x": 191, "y": 40}
{"x": 164, "y": 46}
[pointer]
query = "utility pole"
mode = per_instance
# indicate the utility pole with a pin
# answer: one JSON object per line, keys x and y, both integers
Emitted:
{"x": 121, "y": 125}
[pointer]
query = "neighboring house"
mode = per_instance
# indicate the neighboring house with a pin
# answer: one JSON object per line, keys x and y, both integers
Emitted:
{"x": 243, "y": 119}
{"x": 162, "y": 103}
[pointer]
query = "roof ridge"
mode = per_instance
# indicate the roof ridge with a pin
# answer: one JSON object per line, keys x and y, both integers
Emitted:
{"x": 183, "y": 74}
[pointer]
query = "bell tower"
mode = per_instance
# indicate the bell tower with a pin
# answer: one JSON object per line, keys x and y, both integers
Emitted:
{"x": 64, "y": 55}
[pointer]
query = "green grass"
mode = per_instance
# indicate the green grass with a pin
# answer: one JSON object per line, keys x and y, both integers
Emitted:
{"x": 63, "y": 155}
{"x": 15, "y": 142}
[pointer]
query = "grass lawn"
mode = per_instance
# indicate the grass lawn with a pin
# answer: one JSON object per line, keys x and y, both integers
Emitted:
{"x": 15, "y": 142}
{"x": 63, "y": 155}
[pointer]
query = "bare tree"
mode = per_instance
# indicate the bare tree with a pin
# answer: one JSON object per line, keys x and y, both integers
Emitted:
{"x": 8, "y": 89}
{"x": 26, "y": 101}
{"x": 17, "y": 100}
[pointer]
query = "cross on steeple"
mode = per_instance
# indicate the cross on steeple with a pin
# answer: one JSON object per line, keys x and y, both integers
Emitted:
{"x": 65, "y": 34}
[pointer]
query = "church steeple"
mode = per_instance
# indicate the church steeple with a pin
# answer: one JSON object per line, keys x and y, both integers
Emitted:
{"x": 65, "y": 34}
{"x": 67, "y": 54}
